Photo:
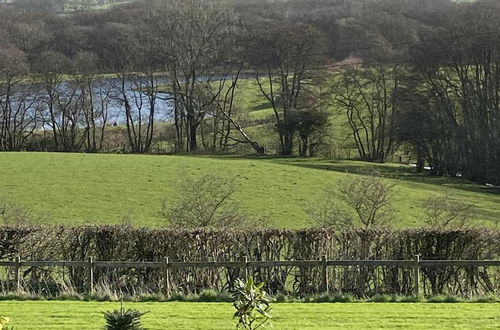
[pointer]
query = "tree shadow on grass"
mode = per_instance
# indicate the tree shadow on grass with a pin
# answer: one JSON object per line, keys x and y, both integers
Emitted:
{"x": 391, "y": 171}
{"x": 262, "y": 106}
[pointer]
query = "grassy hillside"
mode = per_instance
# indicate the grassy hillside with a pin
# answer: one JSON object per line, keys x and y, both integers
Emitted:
{"x": 176, "y": 315}
{"x": 78, "y": 189}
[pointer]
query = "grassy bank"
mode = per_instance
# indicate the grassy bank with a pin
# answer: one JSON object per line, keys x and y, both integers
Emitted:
{"x": 176, "y": 315}
{"x": 80, "y": 189}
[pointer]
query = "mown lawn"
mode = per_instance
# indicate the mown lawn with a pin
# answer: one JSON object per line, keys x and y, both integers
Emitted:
{"x": 175, "y": 315}
{"x": 78, "y": 189}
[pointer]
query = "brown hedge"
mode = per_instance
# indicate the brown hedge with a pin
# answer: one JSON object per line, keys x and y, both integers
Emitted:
{"x": 143, "y": 244}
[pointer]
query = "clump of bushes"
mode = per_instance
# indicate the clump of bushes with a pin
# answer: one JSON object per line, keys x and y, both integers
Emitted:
{"x": 487, "y": 299}
{"x": 329, "y": 298}
{"x": 224, "y": 296}
{"x": 386, "y": 298}
{"x": 444, "y": 299}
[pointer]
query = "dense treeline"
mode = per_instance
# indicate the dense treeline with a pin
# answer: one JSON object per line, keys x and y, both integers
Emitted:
{"x": 140, "y": 244}
{"x": 420, "y": 76}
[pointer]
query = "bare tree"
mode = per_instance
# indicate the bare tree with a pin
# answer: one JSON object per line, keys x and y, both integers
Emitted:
{"x": 223, "y": 112}
{"x": 327, "y": 212}
{"x": 137, "y": 95}
{"x": 93, "y": 99}
{"x": 205, "y": 201}
{"x": 18, "y": 102}
{"x": 13, "y": 215}
{"x": 193, "y": 36}
{"x": 285, "y": 56}
{"x": 61, "y": 113}
{"x": 365, "y": 200}
{"x": 447, "y": 212}
{"x": 461, "y": 78}
{"x": 136, "y": 88}
{"x": 367, "y": 97}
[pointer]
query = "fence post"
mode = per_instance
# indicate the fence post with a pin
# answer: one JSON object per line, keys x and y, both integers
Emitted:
{"x": 324, "y": 275}
{"x": 245, "y": 269}
{"x": 416, "y": 273}
{"x": 17, "y": 273}
{"x": 166, "y": 276}
{"x": 91, "y": 276}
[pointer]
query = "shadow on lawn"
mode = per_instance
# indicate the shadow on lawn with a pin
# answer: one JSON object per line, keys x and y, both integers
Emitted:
{"x": 392, "y": 171}
{"x": 262, "y": 106}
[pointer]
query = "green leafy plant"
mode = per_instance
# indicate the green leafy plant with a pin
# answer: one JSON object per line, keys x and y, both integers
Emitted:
{"x": 3, "y": 323}
{"x": 252, "y": 305}
{"x": 122, "y": 319}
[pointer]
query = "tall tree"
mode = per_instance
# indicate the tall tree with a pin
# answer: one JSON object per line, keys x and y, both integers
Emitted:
{"x": 367, "y": 96}
{"x": 94, "y": 100}
{"x": 285, "y": 57}
{"x": 18, "y": 102}
{"x": 460, "y": 75}
{"x": 194, "y": 36}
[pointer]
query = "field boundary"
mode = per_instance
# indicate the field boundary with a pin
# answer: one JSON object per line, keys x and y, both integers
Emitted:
{"x": 416, "y": 264}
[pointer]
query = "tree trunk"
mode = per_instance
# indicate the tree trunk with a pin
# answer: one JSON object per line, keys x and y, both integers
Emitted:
{"x": 193, "y": 142}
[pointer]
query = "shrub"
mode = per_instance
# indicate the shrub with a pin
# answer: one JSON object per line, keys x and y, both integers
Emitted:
{"x": 452, "y": 299}
{"x": 208, "y": 296}
{"x": 444, "y": 299}
{"x": 177, "y": 297}
{"x": 343, "y": 298}
{"x": 281, "y": 298}
{"x": 3, "y": 322}
{"x": 324, "y": 298}
{"x": 382, "y": 298}
{"x": 193, "y": 297}
{"x": 362, "y": 200}
{"x": 121, "y": 319}
{"x": 447, "y": 212}
{"x": 12, "y": 214}
{"x": 224, "y": 296}
{"x": 409, "y": 299}
{"x": 251, "y": 304}
{"x": 205, "y": 201}
{"x": 487, "y": 299}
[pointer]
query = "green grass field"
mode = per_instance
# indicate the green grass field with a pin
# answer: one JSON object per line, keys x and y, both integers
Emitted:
{"x": 175, "y": 315}
{"x": 78, "y": 189}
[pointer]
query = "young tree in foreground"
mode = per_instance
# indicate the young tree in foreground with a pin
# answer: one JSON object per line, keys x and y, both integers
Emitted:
{"x": 122, "y": 319}
{"x": 251, "y": 304}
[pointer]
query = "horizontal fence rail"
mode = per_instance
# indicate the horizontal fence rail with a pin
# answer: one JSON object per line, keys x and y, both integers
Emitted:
{"x": 238, "y": 264}
{"x": 416, "y": 266}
